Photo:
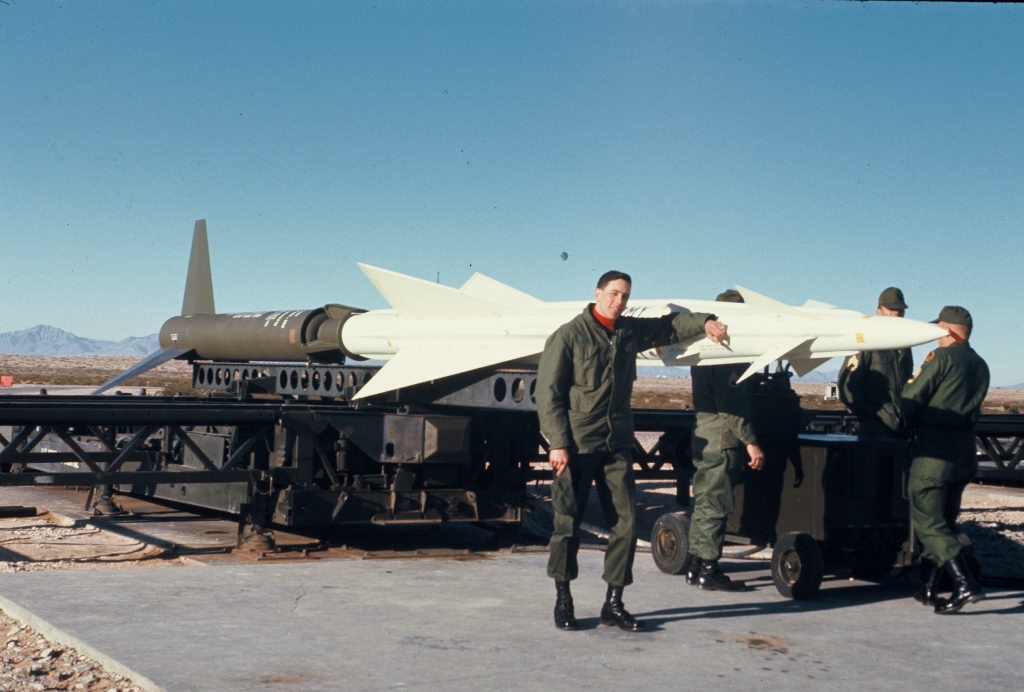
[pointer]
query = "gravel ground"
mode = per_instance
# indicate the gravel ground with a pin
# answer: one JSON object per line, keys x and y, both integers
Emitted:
{"x": 31, "y": 662}
{"x": 993, "y": 519}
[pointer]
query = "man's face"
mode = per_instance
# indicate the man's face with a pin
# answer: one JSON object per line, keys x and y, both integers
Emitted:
{"x": 888, "y": 312}
{"x": 611, "y": 300}
{"x": 955, "y": 333}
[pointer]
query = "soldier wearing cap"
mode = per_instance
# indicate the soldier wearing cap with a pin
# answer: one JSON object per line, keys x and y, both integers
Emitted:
{"x": 942, "y": 404}
{"x": 870, "y": 381}
{"x": 723, "y": 441}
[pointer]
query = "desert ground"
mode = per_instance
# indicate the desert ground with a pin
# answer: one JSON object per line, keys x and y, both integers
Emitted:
{"x": 176, "y": 377}
{"x": 172, "y": 377}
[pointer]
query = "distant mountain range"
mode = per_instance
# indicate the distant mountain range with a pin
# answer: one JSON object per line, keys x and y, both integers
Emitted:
{"x": 44, "y": 340}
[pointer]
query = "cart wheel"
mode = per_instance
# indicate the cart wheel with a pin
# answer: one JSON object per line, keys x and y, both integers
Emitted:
{"x": 670, "y": 542}
{"x": 797, "y": 565}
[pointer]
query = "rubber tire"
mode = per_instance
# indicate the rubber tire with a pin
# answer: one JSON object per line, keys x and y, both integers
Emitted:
{"x": 797, "y": 565}
{"x": 670, "y": 542}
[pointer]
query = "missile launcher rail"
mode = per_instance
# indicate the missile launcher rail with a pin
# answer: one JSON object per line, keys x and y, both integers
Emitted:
{"x": 508, "y": 390}
{"x": 276, "y": 444}
{"x": 284, "y": 461}
{"x": 285, "y": 448}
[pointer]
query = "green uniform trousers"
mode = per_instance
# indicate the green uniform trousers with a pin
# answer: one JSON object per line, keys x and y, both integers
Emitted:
{"x": 718, "y": 471}
{"x": 937, "y": 482}
{"x": 616, "y": 490}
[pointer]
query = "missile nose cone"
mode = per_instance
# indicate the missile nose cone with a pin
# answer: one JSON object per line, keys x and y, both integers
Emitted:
{"x": 922, "y": 332}
{"x": 901, "y": 332}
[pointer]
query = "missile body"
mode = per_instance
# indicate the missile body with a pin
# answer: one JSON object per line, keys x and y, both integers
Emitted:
{"x": 433, "y": 331}
{"x": 291, "y": 335}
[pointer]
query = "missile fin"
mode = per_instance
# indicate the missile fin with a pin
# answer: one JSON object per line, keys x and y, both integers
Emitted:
{"x": 412, "y": 365}
{"x": 691, "y": 359}
{"x": 199, "y": 284}
{"x": 762, "y": 303}
{"x": 773, "y": 354}
{"x": 148, "y": 363}
{"x": 802, "y": 366}
{"x": 483, "y": 286}
{"x": 414, "y": 298}
{"x": 198, "y": 300}
{"x": 817, "y": 305}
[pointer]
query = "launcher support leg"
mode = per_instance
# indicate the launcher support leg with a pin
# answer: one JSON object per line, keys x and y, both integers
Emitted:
{"x": 106, "y": 506}
{"x": 255, "y": 515}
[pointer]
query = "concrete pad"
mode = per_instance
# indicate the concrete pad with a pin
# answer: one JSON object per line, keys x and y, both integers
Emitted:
{"x": 486, "y": 623}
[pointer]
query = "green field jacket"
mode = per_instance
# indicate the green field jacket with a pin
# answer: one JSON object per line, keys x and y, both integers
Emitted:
{"x": 870, "y": 383}
{"x": 585, "y": 377}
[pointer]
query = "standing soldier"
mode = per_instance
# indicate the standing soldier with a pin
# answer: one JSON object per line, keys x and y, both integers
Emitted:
{"x": 584, "y": 386}
{"x": 722, "y": 442}
{"x": 870, "y": 381}
{"x": 942, "y": 404}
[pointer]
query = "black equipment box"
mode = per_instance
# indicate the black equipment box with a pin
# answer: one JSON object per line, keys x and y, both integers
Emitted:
{"x": 830, "y": 501}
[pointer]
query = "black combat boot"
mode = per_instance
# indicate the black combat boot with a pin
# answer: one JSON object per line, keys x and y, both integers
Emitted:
{"x": 926, "y": 594}
{"x": 614, "y": 613}
{"x": 712, "y": 578}
{"x": 965, "y": 589}
{"x": 691, "y": 566}
{"x": 565, "y": 617}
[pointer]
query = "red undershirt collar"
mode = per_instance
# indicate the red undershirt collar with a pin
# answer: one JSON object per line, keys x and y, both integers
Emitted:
{"x": 604, "y": 321}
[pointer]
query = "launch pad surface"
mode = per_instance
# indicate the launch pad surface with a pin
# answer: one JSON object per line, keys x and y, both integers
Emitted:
{"x": 344, "y": 624}
{"x": 443, "y": 623}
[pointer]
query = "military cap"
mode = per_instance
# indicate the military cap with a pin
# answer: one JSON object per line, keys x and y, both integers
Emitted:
{"x": 729, "y": 296}
{"x": 954, "y": 314}
{"x": 892, "y": 298}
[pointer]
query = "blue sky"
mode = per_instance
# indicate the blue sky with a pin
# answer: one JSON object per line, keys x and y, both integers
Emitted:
{"x": 802, "y": 149}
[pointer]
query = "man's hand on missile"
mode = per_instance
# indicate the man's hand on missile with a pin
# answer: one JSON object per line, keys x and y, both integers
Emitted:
{"x": 715, "y": 331}
{"x": 559, "y": 459}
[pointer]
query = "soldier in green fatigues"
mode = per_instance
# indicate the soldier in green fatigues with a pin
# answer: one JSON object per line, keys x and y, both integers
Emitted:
{"x": 584, "y": 386}
{"x": 722, "y": 440}
{"x": 942, "y": 404}
{"x": 870, "y": 381}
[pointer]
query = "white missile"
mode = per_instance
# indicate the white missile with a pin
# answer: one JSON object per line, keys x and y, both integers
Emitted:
{"x": 432, "y": 331}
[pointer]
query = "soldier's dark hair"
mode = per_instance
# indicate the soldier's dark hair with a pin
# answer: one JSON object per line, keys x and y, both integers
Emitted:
{"x": 613, "y": 275}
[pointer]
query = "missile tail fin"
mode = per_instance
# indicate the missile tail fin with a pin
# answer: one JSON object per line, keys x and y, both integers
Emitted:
{"x": 148, "y": 363}
{"x": 199, "y": 284}
{"x": 414, "y": 298}
{"x": 762, "y": 303}
{"x": 777, "y": 352}
{"x": 483, "y": 286}
{"x": 817, "y": 305}
{"x": 412, "y": 366}
{"x": 802, "y": 366}
{"x": 198, "y": 300}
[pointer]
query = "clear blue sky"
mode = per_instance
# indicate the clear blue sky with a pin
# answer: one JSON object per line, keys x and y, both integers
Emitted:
{"x": 802, "y": 149}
